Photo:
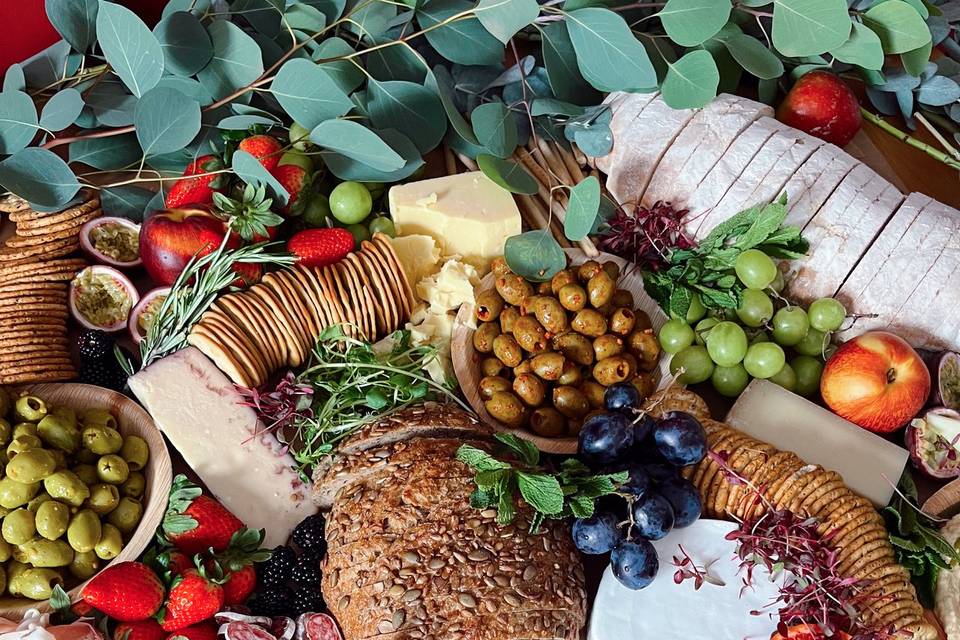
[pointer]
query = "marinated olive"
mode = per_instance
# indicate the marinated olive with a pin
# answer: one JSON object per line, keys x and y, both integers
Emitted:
{"x": 549, "y": 365}
{"x": 530, "y": 389}
{"x": 612, "y": 269}
{"x": 491, "y": 366}
{"x": 594, "y": 392}
{"x": 600, "y": 289}
{"x": 55, "y": 432}
{"x": 135, "y": 451}
{"x": 530, "y": 334}
{"x": 52, "y": 519}
{"x": 37, "y": 584}
{"x": 29, "y": 409}
{"x": 572, "y": 297}
{"x": 645, "y": 384}
{"x": 607, "y": 345}
{"x": 22, "y": 443}
{"x": 31, "y": 466}
{"x": 103, "y": 499}
{"x": 85, "y": 456}
{"x": 633, "y": 362}
{"x": 543, "y": 289}
{"x": 611, "y": 371}
{"x": 523, "y": 367}
{"x": 490, "y": 385}
{"x": 85, "y": 564}
{"x": 506, "y": 348}
{"x": 644, "y": 345}
{"x": 134, "y": 486}
{"x": 504, "y": 407}
{"x": 588, "y": 269}
{"x": 570, "y": 401}
{"x": 44, "y": 553}
{"x": 499, "y": 266}
{"x": 18, "y": 526}
{"x": 66, "y": 415}
{"x": 561, "y": 279}
{"x": 589, "y": 322}
{"x": 126, "y": 516}
{"x": 102, "y": 440}
{"x": 508, "y": 318}
{"x": 643, "y": 320}
{"x": 526, "y": 305}
{"x": 84, "y": 530}
{"x": 489, "y": 305}
{"x": 574, "y": 346}
{"x": 622, "y": 298}
{"x": 110, "y": 544}
{"x": 14, "y": 569}
{"x": 6, "y": 551}
{"x": 572, "y": 374}
{"x": 24, "y": 429}
{"x": 551, "y": 314}
{"x": 39, "y": 499}
{"x": 513, "y": 289}
{"x": 622, "y": 321}
{"x": 67, "y": 487}
{"x": 6, "y": 431}
{"x": 113, "y": 469}
{"x": 98, "y": 418}
{"x": 15, "y": 494}
{"x": 547, "y": 422}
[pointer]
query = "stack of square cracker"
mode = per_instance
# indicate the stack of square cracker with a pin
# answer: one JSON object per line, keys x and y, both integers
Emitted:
{"x": 34, "y": 272}
{"x": 252, "y": 333}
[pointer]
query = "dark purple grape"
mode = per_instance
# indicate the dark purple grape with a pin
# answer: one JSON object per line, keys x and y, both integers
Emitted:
{"x": 596, "y": 534}
{"x": 622, "y": 396}
{"x": 652, "y": 516}
{"x": 637, "y": 483}
{"x": 684, "y": 499}
{"x": 605, "y": 438}
{"x": 642, "y": 428}
{"x": 634, "y": 563}
{"x": 680, "y": 438}
{"x": 660, "y": 471}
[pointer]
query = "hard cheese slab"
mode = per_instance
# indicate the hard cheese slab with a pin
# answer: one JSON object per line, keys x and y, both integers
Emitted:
{"x": 869, "y": 465}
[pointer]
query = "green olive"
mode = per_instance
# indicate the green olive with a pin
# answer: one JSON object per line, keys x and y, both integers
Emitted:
{"x": 572, "y": 297}
{"x": 55, "y": 432}
{"x": 18, "y": 526}
{"x": 111, "y": 543}
{"x": 561, "y": 279}
{"x": 607, "y": 345}
{"x": 530, "y": 334}
{"x": 37, "y": 584}
{"x": 507, "y": 350}
{"x": 547, "y": 422}
{"x": 645, "y": 384}
{"x": 611, "y": 370}
{"x": 622, "y": 321}
{"x": 66, "y": 487}
{"x": 572, "y": 374}
{"x": 489, "y": 305}
{"x": 505, "y": 407}
{"x": 513, "y": 289}
{"x": 600, "y": 289}
{"x": 85, "y": 564}
{"x": 85, "y": 456}
{"x": 543, "y": 289}
{"x": 126, "y": 516}
{"x": 508, "y": 318}
{"x": 589, "y": 322}
{"x": 29, "y": 409}
{"x": 67, "y": 415}
{"x": 530, "y": 388}
{"x": 491, "y": 366}
{"x": 87, "y": 473}
{"x": 84, "y": 530}
{"x": 134, "y": 486}
{"x": 526, "y": 305}
{"x": 574, "y": 346}
{"x": 22, "y": 443}
{"x": 45, "y": 553}
{"x": 6, "y": 551}
{"x": 113, "y": 469}
{"x": 523, "y": 367}
{"x": 98, "y": 418}
{"x": 24, "y": 429}
{"x": 39, "y": 499}
{"x": 15, "y": 494}
{"x": 14, "y": 569}
{"x": 551, "y": 314}
{"x": 31, "y": 466}
{"x": 136, "y": 452}
{"x": 622, "y": 298}
{"x": 102, "y": 440}
{"x": 499, "y": 266}
{"x": 489, "y": 385}
{"x": 632, "y": 360}
{"x": 645, "y": 346}
{"x": 52, "y": 519}
{"x": 570, "y": 401}
{"x": 612, "y": 269}
{"x": 588, "y": 269}
{"x": 549, "y": 365}
{"x": 594, "y": 393}
{"x": 484, "y": 335}
{"x": 103, "y": 499}
{"x": 6, "y": 431}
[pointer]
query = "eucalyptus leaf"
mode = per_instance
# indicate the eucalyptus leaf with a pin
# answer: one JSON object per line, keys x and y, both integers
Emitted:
{"x": 39, "y": 176}
{"x": 304, "y": 17}
{"x": 409, "y": 108}
{"x": 61, "y": 110}
{"x": 185, "y": 43}
{"x": 111, "y": 103}
{"x": 188, "y": 87}
{"x": 355, "y": 141}
{"x": 249, "y": 169}
{"x": 516, "y": 73}
{"x": 440, "y": 80}
{"x": 106, "y": 154}
{"x": 691, "y": 81}
{"x": 582, "y": 209}
{"x": 399, "y": 62}
{"x": 554, "y": 107}
{"x": 308, "y": 94}
{"x": 48, "y": 66}
{"x": 534, "y": 255}
{"x": 509, "y": 175}
{"x": 13, "y": 79}
{"x": 915, "y": 62}
{"x": 753, "y": 56}
{"x": 885, "y": 102}
{"x": 504, "y": 18}
{"x": 18, "y": 121}
{"x": 132, "y": 50}
{"x": 898, "y": 25}
{"x": 370, "y": 18}
{"x": 236, "y": 60}
{"x": 198, "y": 7}
{"x": 560, "y": 60}
{"x": 263, "y": 15}
{"x": 464, "y": 41}
{"x": 349, "y": 169}
{"x": 333, "y": 9}
{"x": 244, "y": 122}
{"x": 608, "y": 55}
{"x": 809, "y": 27}
{"x": 75, "y": 20}
{"x": 496, "y": 128}
{"x": 596, "y": 140}
{"x": 863, "y": 48}
{"x": 938, "y": 91}
{"x": 343, "y": 72}
{"x": 125, "y": 201}
{"x": 691, "y": 22}
{"x": 165, "y": 120}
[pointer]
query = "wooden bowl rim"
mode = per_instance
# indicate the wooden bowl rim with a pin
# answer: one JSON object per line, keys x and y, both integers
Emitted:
{"x": 945, "y": 501}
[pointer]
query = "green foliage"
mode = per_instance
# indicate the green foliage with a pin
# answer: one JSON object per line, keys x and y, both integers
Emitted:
{"x": 165, "y": 121}
{"x": 18, "y": 121}
{"x": 129, "y": 47}
{"x": 534, "y": 255}
{"x": 186, "y": 45}
{"x": 898, "y": 25}
{"x": 40, "y": 176}
{"x": 495, "y": 128}
{"x": 608, "y": 54}
{"x": 582, "y": 209}
{"x": 809, "y": 27}
{"x": 353, "y": 140}
{"x": 691, "y": 80}
{"x": 509, "y": 175}
{"x": 691, "y": 22}
{"x": 308, "y": 94}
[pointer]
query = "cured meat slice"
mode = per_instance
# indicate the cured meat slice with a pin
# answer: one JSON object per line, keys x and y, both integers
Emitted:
{"x": 625, "y": 107}
{"x": 244, "y": 631}
{"x": 223, "y": 617}
{"x": 317, "y": 626}
{"x": 700, "y": 145}
{"x": 283, "y": 628}
{"x": 814, "y": 182}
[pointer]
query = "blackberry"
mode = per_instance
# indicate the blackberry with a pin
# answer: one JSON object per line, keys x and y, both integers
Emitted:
{"x": 95, "y": 345}
{"x": 103, "y": 373}
{"x": 307, "y": 601}
{"x": 307, "y": 570}
{"x": 271, "y": 602}
{"x": 309, "y": 533}
{"x": 276, "y": 571}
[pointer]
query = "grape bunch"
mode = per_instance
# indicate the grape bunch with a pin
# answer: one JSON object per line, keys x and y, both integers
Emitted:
{"x": 655, "y": 499}
{"x": 729, "y": 347}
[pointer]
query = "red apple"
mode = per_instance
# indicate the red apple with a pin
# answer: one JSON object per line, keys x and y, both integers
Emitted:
{"x": 876, "y": 381}
{"x": 170, "y": 237}
{"x": 822, "y": 105}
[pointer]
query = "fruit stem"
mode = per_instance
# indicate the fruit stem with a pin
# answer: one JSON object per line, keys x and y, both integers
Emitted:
{"x": 903, "y": 136}
{"x": 891, "y": 375}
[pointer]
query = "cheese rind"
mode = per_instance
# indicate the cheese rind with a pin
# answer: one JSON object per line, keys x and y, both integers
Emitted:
{"x": 241, "y": 463}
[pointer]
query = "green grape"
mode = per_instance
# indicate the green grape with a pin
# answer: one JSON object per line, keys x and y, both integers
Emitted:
{"x": 779, "y": 282}
{"x": 350, "y": 202}
{"x": 755, "y": 269}
{"x": 826, "y": 314}
{"x": 702, "y": 330}
{"x": 299, "y": 136}
{"x": 727, "y": 344}
{"x": 757, "y": 337}
{"x": 383, "y": 224}
{"x": 790, "y": 325}
{"x": 359, "y": 231}
{"x": 696, "y": 363}
{"x": 808, "y": 370}
{"x": 786, "y": 378}
{"x": 297, "y": 158}
{"x": 675, "y": 335}
{"x": 696, "y": 310}
{"x": 812, "y": 344}
{"x": 764, "y": 360}
{"x": 756, "y": 308}
{"x": 730, "y": 381}
{"x": 722, "y": 314}
{"x": 317, "y": 211}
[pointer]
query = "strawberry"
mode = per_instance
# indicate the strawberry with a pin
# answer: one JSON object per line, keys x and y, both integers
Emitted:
{"x": 81, "y": 609}
{"x": 239, "y": 585}
{"x": 128, "y": 592}
{"x": 202, "y": 631}
{"x": 234, "y": 568}
{"x": 192, "y": 599}
{"x": 194, "y": 522}
{"x": 297, "y": 181}
{"x": 249, "y": 216}
{"x": 320, "y": 247}
{"x": 194, "y": 190}
{"x": 264, "y": 148}
{"x": 148, "y": 629}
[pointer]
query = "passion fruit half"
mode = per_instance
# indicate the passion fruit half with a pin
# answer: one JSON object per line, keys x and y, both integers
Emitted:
{"x": 112, "y": 241}
{"x": 101, "y": 298}
{"x": 144, "y": 313}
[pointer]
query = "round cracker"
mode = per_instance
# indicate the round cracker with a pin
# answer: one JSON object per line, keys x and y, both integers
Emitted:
{"x": 386, "y": 248}
{"x": 821, "y": 507}
{"x": 29, "y": 215}
{"x": 738, "y": 463}
{"x": 9, "y": 346}
{"x": 332, "y": 272}
{"x": 740, "y": 495}
{"x": 860, "y": 555}
{"x": 724, "y": 446}
{"x": 715, "y": 443}
{"x": 384, "y": 309}
{"x": 212, "y": 348}
{"x": 304, "y": 310}
{"x": 820, "y": 478}
{"x": 719, "y": 478}
{"x": 231, "y": 337}
{"x": 229, "y": 306}
{"x": 72, "y": 226}
{"x": 304, "y": 295}
{"x": 60, "y": 375}
{"x": 293, "y": 313}
{"x": 851, "y": 521}
{"x": 793, "y": 483}
{"x": 307, "y": 282}
{"x": 254, "y": 308}
{"x": 273, "y": 308}
{"x": 355, "y": 297}
{"x": 392, "y": 295}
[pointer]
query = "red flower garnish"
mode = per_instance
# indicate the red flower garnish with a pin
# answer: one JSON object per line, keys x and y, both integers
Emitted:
{"x": 646, "y": 236}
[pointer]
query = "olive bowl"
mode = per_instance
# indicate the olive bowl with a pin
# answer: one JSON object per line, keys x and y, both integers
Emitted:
{"x": 132, "y": 419}
{"x": 466, "y": 361}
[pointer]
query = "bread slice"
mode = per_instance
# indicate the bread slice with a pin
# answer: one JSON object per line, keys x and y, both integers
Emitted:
{"x": 814, "y": 182}
{"x": 533, "y": 625}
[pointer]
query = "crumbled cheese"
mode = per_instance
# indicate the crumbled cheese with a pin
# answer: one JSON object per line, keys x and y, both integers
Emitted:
{"x": 450, "y": 288}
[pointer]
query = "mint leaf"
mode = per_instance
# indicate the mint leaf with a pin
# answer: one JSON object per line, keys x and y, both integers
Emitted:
{"x": 524, "y": 449}
{"x": 481, "y": 499}
{"x": 573, "y": 466}
{"x": 905, "y": 544}
{"x": 541, "y": 491}
{"x": 479, "y": 459}
{"x": 581, "y": 507}
{"x": 489, "y": 479}
{"x": 59, "y": 600}
{"x": 506, "y": 510}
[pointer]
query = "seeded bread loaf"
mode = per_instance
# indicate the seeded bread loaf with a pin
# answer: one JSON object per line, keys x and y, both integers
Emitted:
{"x": 409, "y": 559}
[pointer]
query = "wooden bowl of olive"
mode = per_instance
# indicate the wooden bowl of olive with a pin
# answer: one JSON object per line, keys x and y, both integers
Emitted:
{"x": 86, "y": 480}
{"x": 542, "y": 354}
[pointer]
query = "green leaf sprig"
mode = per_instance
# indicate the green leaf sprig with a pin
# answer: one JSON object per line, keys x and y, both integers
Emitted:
{"x": 572, "y": 491}
{"x": 708, "y": 268}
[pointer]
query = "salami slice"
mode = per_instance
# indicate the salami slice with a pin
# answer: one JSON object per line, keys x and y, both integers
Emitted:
{"x": 244, "y": 631}
{"x": 283, "y": 628}
{"x": 317, "y": 626}
{"x": 224, "y": 617}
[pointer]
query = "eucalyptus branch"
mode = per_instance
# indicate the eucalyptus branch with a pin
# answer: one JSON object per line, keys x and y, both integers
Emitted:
{"x": 903, "y": 136}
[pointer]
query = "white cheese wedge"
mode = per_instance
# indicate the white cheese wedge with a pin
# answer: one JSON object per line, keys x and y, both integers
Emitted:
{"x": 419, "y": 256}
{"x": 245, "y": 467}
{"x": 869, "y": 464}
{"x": 467, "y": 214}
